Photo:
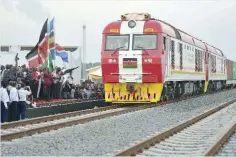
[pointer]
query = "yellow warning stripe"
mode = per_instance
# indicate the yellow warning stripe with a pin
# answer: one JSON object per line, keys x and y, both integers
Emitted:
{"x": 187, "y": 72}
{"x": 220, "y": 74}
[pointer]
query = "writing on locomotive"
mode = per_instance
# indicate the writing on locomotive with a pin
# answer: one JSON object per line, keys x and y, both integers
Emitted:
{"x": 145, "y": 60}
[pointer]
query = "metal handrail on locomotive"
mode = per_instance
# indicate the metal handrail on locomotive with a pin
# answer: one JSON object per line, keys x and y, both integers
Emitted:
{"x": 146, "y": 60}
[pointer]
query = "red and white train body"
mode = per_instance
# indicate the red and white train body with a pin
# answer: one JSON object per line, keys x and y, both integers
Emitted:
{"x": 146, "y": 60}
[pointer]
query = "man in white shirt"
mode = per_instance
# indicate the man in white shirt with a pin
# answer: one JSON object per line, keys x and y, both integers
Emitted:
{"x": 14, "y": 98}
{"x": 21, "y": 107}
{"x": 2, "y": 73}
{"x": 4, "y": 100}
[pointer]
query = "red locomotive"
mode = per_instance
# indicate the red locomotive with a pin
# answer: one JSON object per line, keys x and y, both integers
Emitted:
{"x": 146, "y": 60}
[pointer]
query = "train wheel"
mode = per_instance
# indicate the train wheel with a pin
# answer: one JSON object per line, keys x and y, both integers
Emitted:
{"x": 166, "y": 98}
{"x": 172, "y": 96}
{"x": 161, "y": 99}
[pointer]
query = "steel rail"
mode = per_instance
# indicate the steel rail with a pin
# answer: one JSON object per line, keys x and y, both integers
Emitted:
{"x": 218, "y": 144}
{"x": 54, "y": 117}
{"x": 31, "y": 131}
{"x": 137, "y": 148}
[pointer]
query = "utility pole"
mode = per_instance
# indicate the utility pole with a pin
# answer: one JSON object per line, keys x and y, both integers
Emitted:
{"x": 84, "y": 51}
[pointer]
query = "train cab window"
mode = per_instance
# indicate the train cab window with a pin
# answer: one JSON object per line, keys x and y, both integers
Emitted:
{"x": 144, "y": 41}
{"x": 114, "y": 42}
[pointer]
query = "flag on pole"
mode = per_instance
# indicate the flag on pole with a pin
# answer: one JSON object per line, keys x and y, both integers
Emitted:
{"x": 43, "y": 50}
{"x": 46, "y": 50}
{"x": 61, "y": 52}
{"x": 43, "y": 31}
{"x": 43, "y": 44}
{"x": 51, "y": 45}
{"x": 38, "y": 54}
{"x": 32, "y": 57}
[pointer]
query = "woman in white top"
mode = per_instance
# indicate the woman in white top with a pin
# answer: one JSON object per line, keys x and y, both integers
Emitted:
{"x": 21, "y": 107}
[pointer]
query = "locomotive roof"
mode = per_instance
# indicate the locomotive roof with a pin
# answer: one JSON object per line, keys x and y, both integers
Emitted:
{"x": 169, "y": 30}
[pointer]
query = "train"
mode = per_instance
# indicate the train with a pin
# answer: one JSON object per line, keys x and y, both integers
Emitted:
{"x": 147, "y": 60}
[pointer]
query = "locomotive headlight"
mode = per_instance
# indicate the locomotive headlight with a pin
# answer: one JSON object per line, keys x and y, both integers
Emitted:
{"x": 131, "y": 24}
{"x": 109, "y": 60}
{"x": 114, "y": 60}
{"x": 145, "y": 60}
{"x": 150, "y": 60}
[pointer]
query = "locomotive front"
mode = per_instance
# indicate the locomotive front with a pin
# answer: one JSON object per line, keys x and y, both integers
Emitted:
{"x": 131, "y": 60}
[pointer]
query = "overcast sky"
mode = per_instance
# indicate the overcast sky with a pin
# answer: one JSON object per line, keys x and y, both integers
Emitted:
{"x": 21, "y": 20}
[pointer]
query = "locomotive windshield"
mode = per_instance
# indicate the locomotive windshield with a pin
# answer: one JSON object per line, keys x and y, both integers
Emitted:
{"x": 144, "y": 41}
{"x": 114, "y": 42}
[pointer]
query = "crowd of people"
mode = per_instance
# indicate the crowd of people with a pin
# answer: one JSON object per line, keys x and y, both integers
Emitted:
{"x": 22, "y": 86}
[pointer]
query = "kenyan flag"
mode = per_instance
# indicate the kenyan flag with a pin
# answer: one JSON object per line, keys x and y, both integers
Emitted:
{"x": 130, "y": 63}
{"x": 32, "y": 57}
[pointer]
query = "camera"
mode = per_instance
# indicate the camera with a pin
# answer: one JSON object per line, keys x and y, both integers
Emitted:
{"x": 27, "y": 88}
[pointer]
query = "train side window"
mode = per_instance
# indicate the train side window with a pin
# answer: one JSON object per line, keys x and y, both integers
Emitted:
{"x": 164, "y": 43}
{"x": 195, "y": 59}
{"x": 201, "y": 62}
{"x": 181, "y": 55}
{"x": 172, "y": 45}
{"x": 173, "y": 54}
{"x": 180, "y": 47}
{"x": 215, "y": 63}
{"x": 224, "y": 66}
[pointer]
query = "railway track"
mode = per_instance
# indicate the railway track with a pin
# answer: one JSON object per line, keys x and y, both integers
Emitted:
{"x": 226, "y": 144}
{"x": 53, "y": 117}
{"x": 228, "y": 149}
{"x": 197, "y": 136}
{"x": 29, "y": 127}
{"x": 60, "y": 102}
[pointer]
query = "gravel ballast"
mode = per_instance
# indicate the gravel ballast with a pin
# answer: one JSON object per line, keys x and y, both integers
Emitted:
{"x": 107, "y": 136}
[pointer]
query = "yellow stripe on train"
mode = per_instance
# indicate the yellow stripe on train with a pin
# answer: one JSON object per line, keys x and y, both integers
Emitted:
{"x": 117, "y": 93}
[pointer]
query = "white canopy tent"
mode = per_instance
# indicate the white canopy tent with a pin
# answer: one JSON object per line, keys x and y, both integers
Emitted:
{"x": 96, "y": 74}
